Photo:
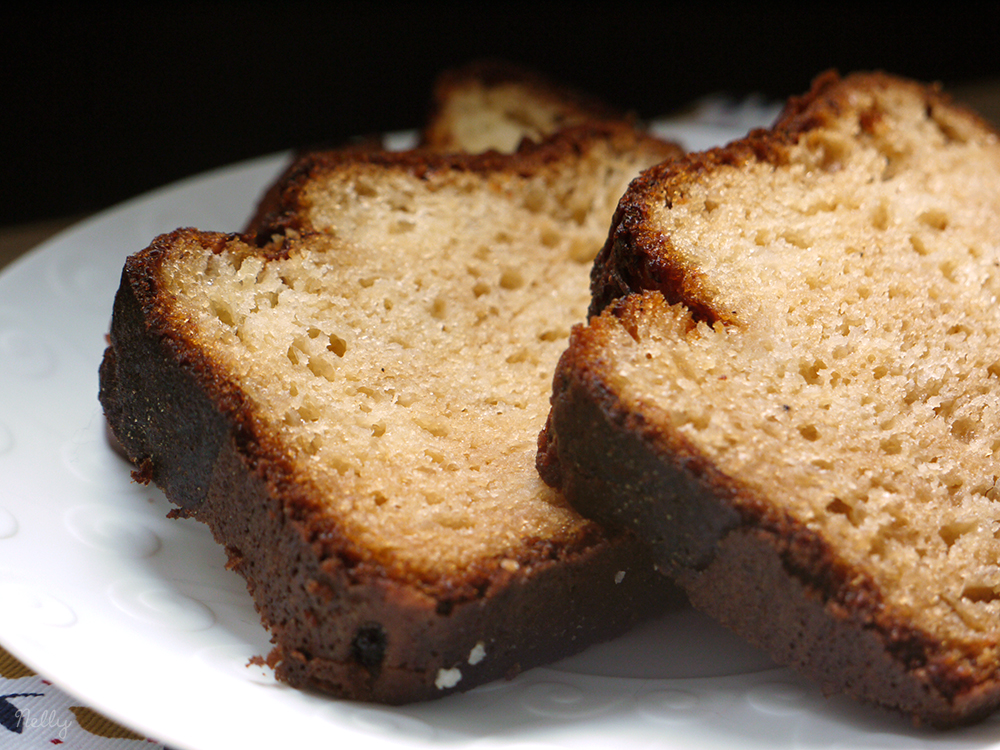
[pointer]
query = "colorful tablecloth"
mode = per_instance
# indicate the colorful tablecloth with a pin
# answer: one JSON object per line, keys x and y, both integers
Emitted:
{"x": 35, "y": 714}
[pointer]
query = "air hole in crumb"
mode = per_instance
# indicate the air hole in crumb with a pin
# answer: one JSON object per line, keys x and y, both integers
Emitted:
{"x": 952, "y": 531}
{"x": 979, "y": 594}
{"x": 964, "y": 429}
{"x": 480, "y": 288}
{"x": 457, "y": 523}
{"x": 796, "y": 239}
{"x": 365, "y": 187}
{"x": 934, "y": 218}
{"x": 223, "y": 312}
{"x": 839, "y": 507}
{"x": 438, "y": 308}
{"x": 894, "y": 162}
{"x": 877, "y": 547}
{"x": 310, "y": 446}
{"x": 810, "y": 371}
{"x": 833, "y": 150}
{"x": 321, "y": 367}
{"x": 550, "y": 336}
{"x": 948, "y": 129}
{"x": 337, "y": 345}
{"x": 892, "y": 445}
{"x": 402, "y": 226}
{"x": 880, "y": 217}
{"x": 407, "y": 399}
{"x": 809, "y": 432}
{"x": 582, "y": 251}
{"x": 949, "y": 270}
{"x": 266, "y": 299}
{"x": 378, "y": 429}
{"x": 534, "y": 198}
{"x": 511, "y": 278}
{"x": 550, "y": 237}
{"x": 918, "y": 244}
{"x": 435, "y": 428}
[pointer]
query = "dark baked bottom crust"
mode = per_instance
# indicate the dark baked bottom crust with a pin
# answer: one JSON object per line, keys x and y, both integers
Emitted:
{"x": 760, "y": 573}
{"x": 339, "y": 625}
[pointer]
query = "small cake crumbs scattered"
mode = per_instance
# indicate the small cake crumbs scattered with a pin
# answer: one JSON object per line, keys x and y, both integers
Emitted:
{"x": 447, "y": 678}
{"x": 478, "y": 653}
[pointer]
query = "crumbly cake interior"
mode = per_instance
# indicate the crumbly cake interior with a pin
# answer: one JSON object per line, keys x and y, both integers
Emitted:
{"x": 408, "y": 350}
{"x": 499, "y": 117}
{"x": 859, "y": 381}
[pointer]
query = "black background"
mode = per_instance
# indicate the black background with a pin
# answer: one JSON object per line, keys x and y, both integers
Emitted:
{"x": 102, "y": 103}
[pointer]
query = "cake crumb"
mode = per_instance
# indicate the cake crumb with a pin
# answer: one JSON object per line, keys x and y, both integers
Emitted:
{"x": 478, "y": 653}
{"x": 511, "y": 566}
{"x": 447, "y": 678}
{"x": 619, "y": 576}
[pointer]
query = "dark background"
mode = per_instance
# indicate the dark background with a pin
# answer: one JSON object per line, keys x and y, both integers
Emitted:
{"x": 102, "y": 103}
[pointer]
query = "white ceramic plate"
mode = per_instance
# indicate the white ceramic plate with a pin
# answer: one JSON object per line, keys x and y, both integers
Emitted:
{"x": 135, "y": 615}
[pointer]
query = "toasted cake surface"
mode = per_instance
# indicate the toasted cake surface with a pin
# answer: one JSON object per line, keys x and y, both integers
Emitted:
{"x": 799, "y": 345}
{"x": 353, "y": 408}
{"x": 495, "y": 105}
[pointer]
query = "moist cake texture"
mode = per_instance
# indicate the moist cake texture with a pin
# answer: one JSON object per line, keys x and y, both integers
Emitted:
{"x": 496, "y": 105}
{"x": 353, "y": 407}
{"x": 793, "y": 391}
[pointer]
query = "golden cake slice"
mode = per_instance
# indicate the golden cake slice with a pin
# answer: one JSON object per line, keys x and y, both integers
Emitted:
{"x": 353, "y": 405}
{"x": 496, "y": 105}
{"x": 793, "y": 391}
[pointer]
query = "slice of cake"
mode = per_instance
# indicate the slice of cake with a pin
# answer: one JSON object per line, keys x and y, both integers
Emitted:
{"x": 353, "y": 405}
{"x": 793, "y": 391}
{"x": 496, "y": 105}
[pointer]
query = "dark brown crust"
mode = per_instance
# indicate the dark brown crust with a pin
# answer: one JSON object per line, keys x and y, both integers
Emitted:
{"x": 740, "y": 559}
{"x": 490, "y": 73}
{"x": 284, "y": 206}
{"x": 340, "y": 621}
{"x": 634, "y": 257}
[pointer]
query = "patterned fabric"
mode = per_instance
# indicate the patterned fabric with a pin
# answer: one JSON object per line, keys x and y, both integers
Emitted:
{"x": 34, "y": 714}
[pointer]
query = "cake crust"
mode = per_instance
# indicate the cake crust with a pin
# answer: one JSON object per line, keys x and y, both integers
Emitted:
{"x": 497, "y": 105}
{"x": 740, "y": 560}
{"x": 767, "y": 567}
{"x": 341, "y": 622}
{"x": 354, "y": 608}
